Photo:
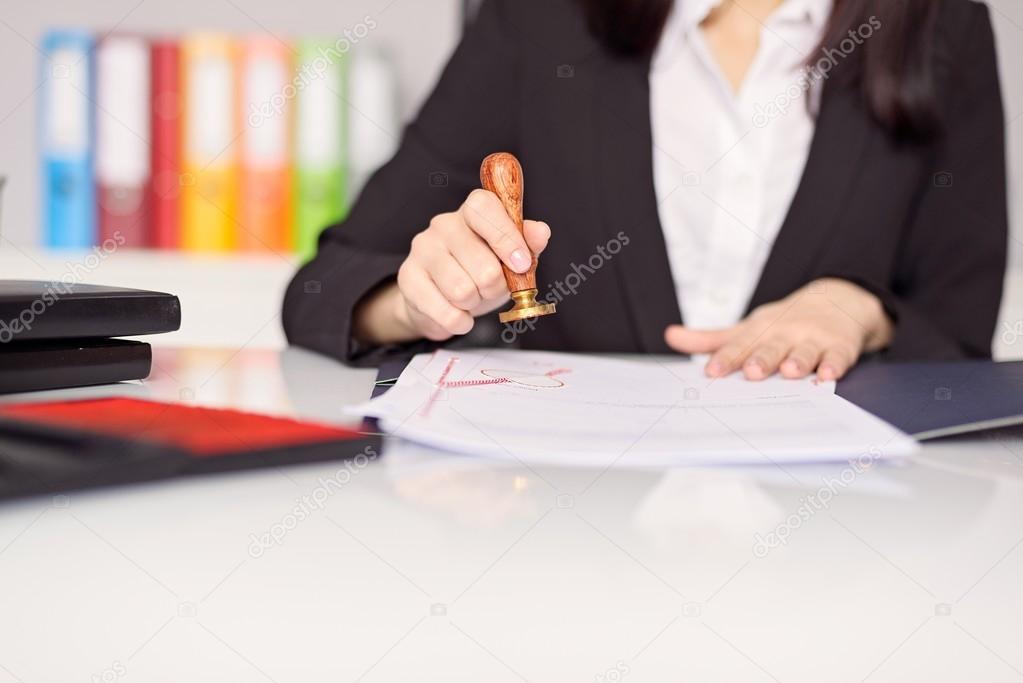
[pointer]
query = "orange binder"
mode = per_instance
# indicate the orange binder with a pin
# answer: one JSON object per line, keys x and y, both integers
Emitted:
{"x": 210, "y": 151}
{"x": 265, "y": 208}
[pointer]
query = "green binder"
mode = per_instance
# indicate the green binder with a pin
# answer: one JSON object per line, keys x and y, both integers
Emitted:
{"x": 320, "y": 125}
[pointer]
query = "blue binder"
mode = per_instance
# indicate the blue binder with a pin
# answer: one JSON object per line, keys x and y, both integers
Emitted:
{"x": 66, "y": 140}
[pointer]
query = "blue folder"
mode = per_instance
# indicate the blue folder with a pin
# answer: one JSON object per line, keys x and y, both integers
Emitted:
{"x": 66, "y": 140}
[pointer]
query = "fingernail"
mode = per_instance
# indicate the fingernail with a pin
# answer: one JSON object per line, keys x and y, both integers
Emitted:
{"x": 519, "y": 261}
{"x": 714, "y": 368}
{"x": 827, "y": 372}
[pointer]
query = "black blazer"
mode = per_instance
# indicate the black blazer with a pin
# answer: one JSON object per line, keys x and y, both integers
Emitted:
{"x": 923, "y": 226}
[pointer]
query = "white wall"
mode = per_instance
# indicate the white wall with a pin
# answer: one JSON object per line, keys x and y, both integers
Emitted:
{"x": 417, "y": 34}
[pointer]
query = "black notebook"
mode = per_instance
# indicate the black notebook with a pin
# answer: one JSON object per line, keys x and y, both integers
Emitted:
{"x": 56, "y": 335}
{"x": 39, "y": 365}
{"x": 31, "y": 310}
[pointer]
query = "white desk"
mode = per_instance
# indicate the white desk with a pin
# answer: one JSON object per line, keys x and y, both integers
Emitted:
{"x": 438, "y": 568}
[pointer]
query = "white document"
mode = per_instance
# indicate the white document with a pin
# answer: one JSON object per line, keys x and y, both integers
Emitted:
{"x": 566, "y": 409}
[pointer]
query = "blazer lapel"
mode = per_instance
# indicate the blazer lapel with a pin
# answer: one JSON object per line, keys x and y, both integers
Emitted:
{"x": 624, "y": 164}
{"x": 839, "y": 145}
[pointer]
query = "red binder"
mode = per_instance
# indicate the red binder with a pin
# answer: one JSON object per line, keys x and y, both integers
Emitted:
{"x": 65, "y": 445}
{"x": 166, "y": 149}
{"x": 122, "y": 141}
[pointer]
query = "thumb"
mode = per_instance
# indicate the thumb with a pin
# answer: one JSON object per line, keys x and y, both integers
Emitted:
{"x": 536, "y": 234}
{"x": 685, "y": 340}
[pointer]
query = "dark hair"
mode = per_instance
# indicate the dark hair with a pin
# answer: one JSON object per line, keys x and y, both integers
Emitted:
{"x": 892, "y": 67}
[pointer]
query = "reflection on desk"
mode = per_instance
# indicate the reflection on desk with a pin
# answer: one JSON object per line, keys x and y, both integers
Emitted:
{"x": 437, "y": 567}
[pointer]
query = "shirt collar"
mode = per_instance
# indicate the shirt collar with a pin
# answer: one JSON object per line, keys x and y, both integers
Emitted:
{"x": 814, "y": 12}
{"x": 687, "y": 15}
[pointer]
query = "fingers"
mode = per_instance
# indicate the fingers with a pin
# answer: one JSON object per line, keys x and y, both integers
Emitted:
{"x": 835, "y": 362}
{"x": 485, "y": 215}
{"x": 483, "y": 267}
{"x": 801, "y": 361}
{"x": 685, "y": 340}
{"x": 764, "y": 359}
{"x": 426, "y": 301}
{"x": 536, "y": 234}
{"x": 729, "y": 357}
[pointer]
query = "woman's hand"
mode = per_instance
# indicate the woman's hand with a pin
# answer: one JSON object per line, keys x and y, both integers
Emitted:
{"x": 823, "y": 327}
{"x": 452, "y": 274}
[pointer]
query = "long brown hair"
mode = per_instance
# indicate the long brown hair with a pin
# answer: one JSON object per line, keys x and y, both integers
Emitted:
{"x": 893, "y": 67}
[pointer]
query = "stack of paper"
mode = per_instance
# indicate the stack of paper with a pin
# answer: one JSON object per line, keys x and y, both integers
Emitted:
{"x": 566, "y": 409}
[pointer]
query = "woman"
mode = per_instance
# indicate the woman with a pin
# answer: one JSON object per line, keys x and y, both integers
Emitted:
{"x": 801, "y": 181}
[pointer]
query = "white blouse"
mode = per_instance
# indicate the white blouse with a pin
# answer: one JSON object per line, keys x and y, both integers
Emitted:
{"x": 726, "y": 164}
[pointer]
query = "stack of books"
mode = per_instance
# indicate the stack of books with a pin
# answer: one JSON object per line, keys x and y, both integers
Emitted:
{"x": 208, "y": 142}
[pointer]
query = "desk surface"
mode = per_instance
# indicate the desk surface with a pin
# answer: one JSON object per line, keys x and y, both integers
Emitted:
{"x": 428, "y": 567}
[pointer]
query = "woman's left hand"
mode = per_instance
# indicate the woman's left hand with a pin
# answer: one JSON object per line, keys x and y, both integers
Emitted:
{"x": 823, "y": 327}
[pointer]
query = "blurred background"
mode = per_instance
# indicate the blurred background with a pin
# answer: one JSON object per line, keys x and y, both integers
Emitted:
{"x": 367, "y": 63}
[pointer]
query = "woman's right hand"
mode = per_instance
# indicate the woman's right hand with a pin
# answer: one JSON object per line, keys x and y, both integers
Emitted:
{"x": 451, "y": 275}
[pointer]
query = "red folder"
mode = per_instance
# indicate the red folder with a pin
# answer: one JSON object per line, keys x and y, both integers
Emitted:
{"x": 122, "y": 141}
{"x": 66, "y": 445}
{"x": 166, "y": 121}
